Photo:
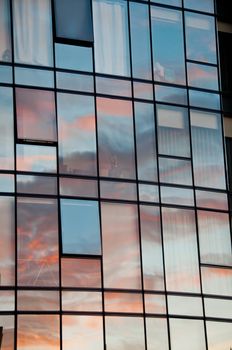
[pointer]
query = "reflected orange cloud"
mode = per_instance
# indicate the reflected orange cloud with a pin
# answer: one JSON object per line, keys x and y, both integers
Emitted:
{"x": 27, "y": 163}
{"x": 69, "y": 129}
{"x": 114, "y": 107}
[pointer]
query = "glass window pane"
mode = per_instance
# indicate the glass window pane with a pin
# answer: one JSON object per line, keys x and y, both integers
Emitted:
{"x": 80, "y": 227}
{"x": 175, "y": 171}
{"x": 169, "y": 2}
{"x": 180, "y": 250}
{"x": 37, "y": 230}
{"x": 143, "y": 91}
{"x": 152, "y": 254}
{"x": 207, "y": 145}
{"x": 185, "y": 306}
{"x": 219, "y": 335}
{"x": 36, "y": 116}
{"x": 84, "y": 273}
{"x": 111, "y": 45}
{"x": 78, "y": 187}
{"x": 118, "y": 190}
{"x": 168, "y": 45}
{"x": 204, "y": 6}
{"x": 73, "y": 20}
{"x": 173, "y": 131}
{"x": 7, "y": 129}
{"x": 6, "y": 74}
{"x": 8, "y": 336}
{"x": 176, "y": 195}
{"x": 83, "y": 331}
{"x": 124, "y": 333}
{"x": 33, "y": 24}
{"x": 114, "y": 87}
{"x": 145, "y": 141}
{"x": 6, "y": 183}
{"x": 38, "y": 300}
{"x": 74, "y": 82}
{"x": 218, "y": 308}
{"x": 38, "y": 332}
{"x": 120, "y": 255}
{"x": 202, "y": 76}
{"x": 187, "y": 334}
{"x": 148, "y": 193}
{"x": 204, "y": 99}
{"x": 36, "y": 184}
{"x": 123, "y": 302}
{"x": 82, "y": 301}
{"x": 214, "y": 237}
{"x": 155, "y": 304}
{"x": 140, "y": 41}
{"x": 5, "y": 30}
{"x": 76, "y": 131}
{"x": 217, "y": 281}
{"x": 74, "y": 57}
{"x": 214, "y": 200}
{"x": 157, "y": 334}
{"x": 200, "y": 38}
{"x": 7, "y": 301}
{"x": 170, "y": 94}
{"x": 7, "y": 246}
{"x": 36, "y": 158}
{"x": 34, "y": 77}
{"x": 115, "y": 123}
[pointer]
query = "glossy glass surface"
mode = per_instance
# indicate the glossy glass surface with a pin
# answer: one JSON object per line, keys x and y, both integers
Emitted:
{"x": 114, "y": 87}
{"x": 145, "y": 141}
{"x": 120, "y": 255}
{"x": 148, "y": 193}
{"x": 152, "y": 255}
{"x": 178, "y": 196}
{"x": 6, "y": 74}
{"x": 171, "y": 94}
{"x": 180, "y": 250}
{"x": 81, "y": 301}
{"x": 155, "y": 304}
{"x": 175, "y": 171}
{"x": 168, "y": 45}
{"x": 204, "y": 6}
{"x": 34, "y": 77}
{"x": 204, "y": 99}
{"x": 37, "y": 231}
{"x": 200, "y": 37}
{"x": 32, "y": 23}
{"x": 74, "y": 57}
{"x": 186, "y": 306}
{"x": 123, "y": 302}
{"x": 7, "y": 129}
{"x": 111, "y": 45}
{"x": 5, "y": 30}
{"x": 27, "y": 300}
{"x": 78, "y": 187}
{"x": 140, "y": 41}
{"x": 115, "y": 122}
{"x": 214, "y": 200}
{"x": 76, "y": 134}
{"x": 80, "y": 227}
{"x": 202, "y": 76}
{"x": 118, "y": 190}
{"x": 7, "y": 301}
{"x": 36, "y": 184}
{"x": 74, "y": 82}
{"x": 143, "y": 91}
{"x": 173, "y": 131}
{"x": 218, "y": 308}
{"x": 36, "y": 117}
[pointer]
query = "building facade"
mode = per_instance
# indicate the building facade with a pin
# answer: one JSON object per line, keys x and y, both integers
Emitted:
{"x": 114, "y": 199}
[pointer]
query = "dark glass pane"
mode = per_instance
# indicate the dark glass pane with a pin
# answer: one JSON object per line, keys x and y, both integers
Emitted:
{"x": 36, "y": 117}
{"x": 83, "y": 331}
{"x": 7, "y": 129}
{"x": 173, "y": 131}
{"x": 153, "y": 275}
{"x": 33, "y": 32}
{"x": 38, "y": 332}
{"x": 38, "y": 300}
{"x": 120, "y": 255}
{"x": 5, "y": 30}
{"x": 6, "y": 183}
{"x": 124, "y": 333}
{"x": 74, "y": 57}
{"x": 111, "y": 45}
{"x": 169, "y": 2}
{"x": 145, "y": 141}
{"x": 76, "y": 131}
{"x": 115, "y": 123}
{"x": 202, "y": 76}
{"x": 168, "y": 45}
{"x": 7, "y": 246}
{"x": 180, "y": 250}
{"x": 80, "y": 227}
{"x": 188, "y": 334}
{"x": 140, "y": 41}
{"x": 200, "y": 38}
{"x": 84, "y": 273}
{"x": 37, "y": 229}
{"x": 207, "y": 144}
{"x": 73, "y": 20}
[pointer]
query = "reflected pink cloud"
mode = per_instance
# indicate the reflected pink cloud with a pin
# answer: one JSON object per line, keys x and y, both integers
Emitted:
{"x": 123, "y": 302}
{"x": 27, "y": 163}
{"x": 113, "y": 107}
{"x": 69, "y": 129}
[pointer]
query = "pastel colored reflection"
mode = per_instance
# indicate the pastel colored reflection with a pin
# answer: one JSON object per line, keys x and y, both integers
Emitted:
{"x": 36, "y": 184}
{"x": 37, "y": 229}
{"x": 114, "y": 87}
{"x": 36, "y": 118}
{"x": 74, "y": 57}
{"x": 38, "y": 300}
{"x": 36, "y": 158}
{"x": 38, "y": 332}
{"x": 171, "y": 94}
{"x": 219, "y": 335}
{"x": 155, "y": 304}
{"x": 34, "y": 77}
{"x": 218, "y": 308}
{"x": 178, "y": 196}
{"x": 202, "y": 76}
{"x": 124, "y": 333}
{"x": 6, "y": 183}
{"x": 78, "y": 187}
{"x": 5, "y": 31}
{"x": 152, "y": 255}
{"x": 185, "y": 305}
{"x": 7, "y": 300}
{"x": 84, "y": 273}
{"x": 118, "y": 190}
{"x": 217, "y": 281}
{"x": 82, "y": 301}
{"x": 115, "y": 123}
{"x": 157, "y": 334}
{"x": 214, "y": 200}
{"x": 123, "y": 302}
{"x": 80, "y": 227}
{"x": 180, "y": 250}
{"x": 7, "y": 127}
{"x": 74, "y": 82}
{"x": 187, "y": 334}
{"x": 120, "y": 255}
{"x": 204, "y": 6}
{"x": 7, "y": 322}
{"x": 84, "y": 332}
{"x": 175, "y": 171}
{"x": 7, "y": 246}
{"x": 76, "y": 133}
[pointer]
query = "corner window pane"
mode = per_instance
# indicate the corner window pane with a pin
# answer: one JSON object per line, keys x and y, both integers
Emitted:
{"x": 36, "y": 119}
{"x": 5, "y": 30}
{"x": 111, "y": 38}
{"x": 80, "y": 227}
{"x": 33, "y": 32}
{"x": 73, "y": 20}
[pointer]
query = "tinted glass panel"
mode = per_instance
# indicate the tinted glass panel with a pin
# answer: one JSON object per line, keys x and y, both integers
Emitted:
{"x": 170, "y": 94}
{"x": 34, "y": 77}
{"x": 204, "y": 6}
{"x": 74, "y": 57}
{"x": 5, "y": 30}
{"x": 202, "y": 76}
{"x": 33, "y": 32}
